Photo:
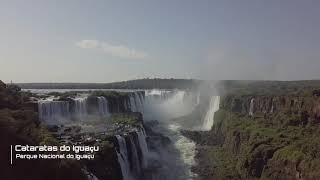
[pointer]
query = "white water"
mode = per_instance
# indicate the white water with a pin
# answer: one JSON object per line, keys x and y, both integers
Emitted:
{"x": 187, "y": 150}
{"x": 80, "y": 108}
{"x": 123, "y": 158}
{"x": 251, "y": 107}
{"x": 103, "y": 106}
{"x": 134, "y": 157}
{"x": 209, "y": 118}
{"x": 143, "y": 147}
{"x": 133, "y": 104}
{"x": 129, "y": 158}
{"x": 198, "y": 99}
{"x": 53, "y": 111}
{"x": 136, "y": 102}
{"x": 164, "y": 106}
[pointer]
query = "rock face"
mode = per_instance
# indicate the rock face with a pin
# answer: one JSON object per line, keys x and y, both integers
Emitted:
{"x": 306, "y": 106}
{"x": 261, "y": 137}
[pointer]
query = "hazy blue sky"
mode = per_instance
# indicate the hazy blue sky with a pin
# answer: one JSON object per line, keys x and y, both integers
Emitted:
{"x": 104, "y": 41}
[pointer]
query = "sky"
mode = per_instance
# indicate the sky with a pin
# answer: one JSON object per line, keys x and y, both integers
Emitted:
{"x": 115, "y": 40}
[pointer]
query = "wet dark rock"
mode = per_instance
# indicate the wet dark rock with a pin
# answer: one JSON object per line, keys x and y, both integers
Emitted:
{"x": 68, "y": 129}
{"x": 71, "y": 129}
{"x": 53, "y": 128}
{"x": 31, "y": 105}
{"x": 316, "y": 92}
{"x": 89, "y": 141}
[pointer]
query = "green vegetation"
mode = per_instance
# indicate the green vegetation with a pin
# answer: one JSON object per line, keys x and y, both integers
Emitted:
{"x": 281, "y": 140}
{"x": 264, "y": 88}
{"x": 131, "y": 119}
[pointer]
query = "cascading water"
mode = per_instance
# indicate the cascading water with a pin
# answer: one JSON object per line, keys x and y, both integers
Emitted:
{"x": 123, "y": 158}
{"x": 80, "y": 107}
{"x": 178, "y": 158}
{"x": 136, "y": 102}
{"x": 251, "y": 107}
{"x": 143, "y": 147}
{"x": 135, "y": 162}
{"x": 103, "y": 106}
{"x": 198, "y": 99}
{"x": 133, "y": 153}
{"x": 133, "y": 105}
{"x": 209, "y": 118}
{"x": 53, "y": 111}
{"x": 165, "y": 105}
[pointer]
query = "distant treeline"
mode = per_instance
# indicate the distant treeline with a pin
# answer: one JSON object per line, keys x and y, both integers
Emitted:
{"x": 132, "y": 84}
{"x": 242, "y": 87}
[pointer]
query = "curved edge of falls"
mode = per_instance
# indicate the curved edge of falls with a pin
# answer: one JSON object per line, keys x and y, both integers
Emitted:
{"x": 132, "y": 151}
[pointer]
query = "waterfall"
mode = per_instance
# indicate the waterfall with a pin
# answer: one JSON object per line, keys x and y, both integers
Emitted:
{"x": 80, "y": 107}
{"x": 136, "y": 102}
{"x": 165, "y": 105}
{"x": 133, "y": 105}
{"x": 139, "y": 102}
{"x": 198, "y": 99}
{"x": 251, "y": 107}
{"x": 123, "y": 158}
{"x": 103, "y": 106}
{"x": 177, "y": 157}
{"x": 135, "y": 162}
{"x": 209, "y": 118}
{"x": 135, "y": 159}
{"x": 126, "y": 106}
{"x": 144, "y": 147}
{"x": 53, "y": 111}
{"x": 132, "y": 154}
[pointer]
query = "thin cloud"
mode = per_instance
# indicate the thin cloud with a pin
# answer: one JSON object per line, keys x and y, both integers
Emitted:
{"x": 88, "y": 44}
{"x": 113, "y": 50}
